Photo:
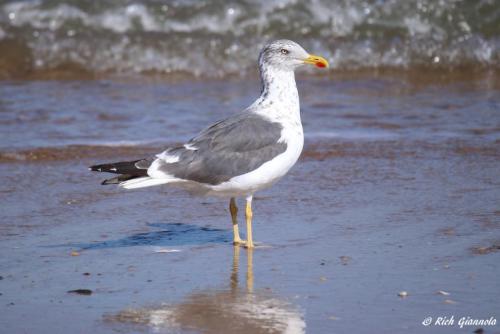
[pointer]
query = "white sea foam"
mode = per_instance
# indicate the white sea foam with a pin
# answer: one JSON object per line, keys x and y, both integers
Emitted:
{"x": 217, "y": 40}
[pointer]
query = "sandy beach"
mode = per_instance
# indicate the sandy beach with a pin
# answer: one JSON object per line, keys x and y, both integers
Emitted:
{"x": 390, "y": 216}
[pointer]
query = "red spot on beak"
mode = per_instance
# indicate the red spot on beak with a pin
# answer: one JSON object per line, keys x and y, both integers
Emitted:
{"x": 320, "y": 64}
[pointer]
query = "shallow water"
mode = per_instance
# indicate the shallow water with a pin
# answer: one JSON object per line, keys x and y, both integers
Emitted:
{"x": 397, "y": 190}
{"x": 144, "y": 111}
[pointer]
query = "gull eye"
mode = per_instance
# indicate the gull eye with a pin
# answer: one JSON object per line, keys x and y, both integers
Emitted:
{"x": 284, "y": 51}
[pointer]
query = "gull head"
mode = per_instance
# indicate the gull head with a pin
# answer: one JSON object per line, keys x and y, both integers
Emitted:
{"x": 287, "y": 55}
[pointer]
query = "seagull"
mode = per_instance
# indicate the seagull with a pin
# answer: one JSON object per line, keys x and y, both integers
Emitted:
{"x": 240, "y": 155}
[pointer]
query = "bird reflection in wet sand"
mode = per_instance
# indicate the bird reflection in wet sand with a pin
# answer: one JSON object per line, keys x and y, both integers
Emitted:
{"x": 235, "y": 310}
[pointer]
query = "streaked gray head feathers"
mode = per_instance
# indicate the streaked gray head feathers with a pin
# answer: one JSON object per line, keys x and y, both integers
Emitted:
{"x": 282, "y": 54}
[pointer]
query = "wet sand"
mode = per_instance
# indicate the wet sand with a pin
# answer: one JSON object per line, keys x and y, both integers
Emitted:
{"x": 397, "y": 190}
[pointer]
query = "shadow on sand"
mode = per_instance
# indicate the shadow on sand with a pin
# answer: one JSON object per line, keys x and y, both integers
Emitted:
{"x": 171, "y": 234}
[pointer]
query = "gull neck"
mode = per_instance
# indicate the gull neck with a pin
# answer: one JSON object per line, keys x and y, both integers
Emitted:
{"x": 278, "y": 86}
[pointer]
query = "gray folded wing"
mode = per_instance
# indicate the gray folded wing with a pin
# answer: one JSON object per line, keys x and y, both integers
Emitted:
{"x": 232, "y": 147}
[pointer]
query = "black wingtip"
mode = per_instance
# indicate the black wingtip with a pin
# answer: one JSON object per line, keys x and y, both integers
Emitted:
{"x": 118, "y": 179}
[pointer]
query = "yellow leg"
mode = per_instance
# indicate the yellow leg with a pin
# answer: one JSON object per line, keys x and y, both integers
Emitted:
{"x": 234, "y": 217}
{"x": 248, "y": 216}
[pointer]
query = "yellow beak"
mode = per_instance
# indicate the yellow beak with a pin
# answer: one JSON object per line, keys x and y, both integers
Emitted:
{"x": 317, "y": 61}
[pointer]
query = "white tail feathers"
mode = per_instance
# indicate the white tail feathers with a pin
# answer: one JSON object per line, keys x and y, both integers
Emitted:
{"x": 142, "y": 182}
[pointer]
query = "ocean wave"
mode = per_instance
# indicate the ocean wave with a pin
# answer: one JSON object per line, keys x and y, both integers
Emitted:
{"x": 218, "y": 38}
